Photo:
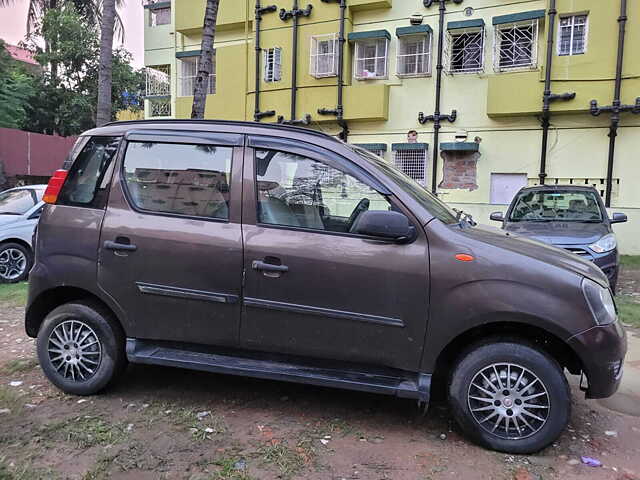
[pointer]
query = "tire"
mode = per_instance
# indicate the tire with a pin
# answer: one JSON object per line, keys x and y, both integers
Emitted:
{"x": 15, "y": 262}
{"x": 511, "y": 359}
{"x": 96, "y": 365}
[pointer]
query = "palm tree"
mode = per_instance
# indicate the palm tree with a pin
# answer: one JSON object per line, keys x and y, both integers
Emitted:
{"x": 206, "y": 59}
{"x": 106, "y": 59}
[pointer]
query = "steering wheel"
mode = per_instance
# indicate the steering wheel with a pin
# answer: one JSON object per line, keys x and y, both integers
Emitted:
{"x": 363, "y": 206}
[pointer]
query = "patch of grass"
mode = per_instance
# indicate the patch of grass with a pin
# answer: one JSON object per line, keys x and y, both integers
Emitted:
{"x": 23, "y": 472}
{"x": 15, "y": 293}
{"x": 629, "y": 309}
{"x": 9, "y": 399}
{"x": 130, "y": 457}
{"x": 630, "y": 261}
{"x": 289, "y": 461}
{"x": 86, "y": 432}
{"x": 19, "y": 365}
{"x": 229, "y": 470}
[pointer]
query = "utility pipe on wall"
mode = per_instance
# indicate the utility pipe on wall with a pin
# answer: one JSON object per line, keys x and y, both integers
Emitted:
{"x": 258, "y": 114}
{"x": 547, "y": 96}
{"x": 616, "y": 108}
{"x": 339, "y": 110}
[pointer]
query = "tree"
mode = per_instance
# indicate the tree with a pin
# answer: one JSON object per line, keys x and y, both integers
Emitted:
{"x": 205, "y": 65}
{"x": 105, "y": 70}
{"x": 16, "y": 87}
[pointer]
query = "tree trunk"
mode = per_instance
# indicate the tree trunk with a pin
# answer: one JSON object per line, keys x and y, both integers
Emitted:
{"x": 205, "y": 66}
{"x": 103, "y": 114}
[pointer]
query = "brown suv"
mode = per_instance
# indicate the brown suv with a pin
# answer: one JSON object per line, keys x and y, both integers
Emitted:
{"x": 282, "y": 253}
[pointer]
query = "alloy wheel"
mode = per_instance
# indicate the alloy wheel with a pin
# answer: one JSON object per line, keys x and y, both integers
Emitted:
{"x": 13, "y": 263}
{"x": 508, "y": 401}
{"x": 74, "y": 350}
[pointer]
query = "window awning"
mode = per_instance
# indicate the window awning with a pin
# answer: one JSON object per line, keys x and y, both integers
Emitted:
{"x": 413, "y": 30}
{"x": 369, "y": 35}
{"x": 373, "y": 147}
{"x": 477, "y": 23}
{"x": 396, "y": 147}
{"x": 189, "y": 53}
{"x": 460, "y": 147}
{"x": 518, "y": 17}
{"x": 157, "y": 5}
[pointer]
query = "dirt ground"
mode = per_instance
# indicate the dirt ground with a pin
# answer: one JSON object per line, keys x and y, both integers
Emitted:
{"x": 169, "y": 423}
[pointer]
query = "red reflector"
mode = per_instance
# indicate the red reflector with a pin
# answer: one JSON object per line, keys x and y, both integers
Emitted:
{"x": 54, "y": 186}
{"x": 463, "y": 257}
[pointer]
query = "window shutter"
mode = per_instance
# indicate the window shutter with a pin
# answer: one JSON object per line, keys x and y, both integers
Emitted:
{"x": 277, "y": 58}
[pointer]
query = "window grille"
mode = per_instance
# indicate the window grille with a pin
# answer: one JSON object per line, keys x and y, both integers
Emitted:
{"x": 160, "y": 107}
{"x": 600, "y": 184}
{"x": 414, "y": 56}
{"x": 188, "y": 73}
{"x": 371, "y": 59}
{"x": 324, "y": 56}
{"x": 273, "y": 64}
{"x": 157, "y": 80}
{"x": 159, "y": 16}
{"x": 413, "y": 163}
{"x": 464, "y": 52}
{"x": 516, "y": 46}
{"x": 572, "y": 35}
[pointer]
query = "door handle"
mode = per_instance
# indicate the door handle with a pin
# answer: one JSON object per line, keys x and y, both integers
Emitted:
{"x": 268, "y": 267}
{"x": 119, "y": 245}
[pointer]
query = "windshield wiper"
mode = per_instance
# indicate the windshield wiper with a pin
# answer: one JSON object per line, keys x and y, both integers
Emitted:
{"x": 461, "y": 215}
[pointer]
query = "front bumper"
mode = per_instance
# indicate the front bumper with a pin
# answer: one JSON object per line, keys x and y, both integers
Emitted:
{"x": 608, "y": 261}
{"x": 602, "y": 350}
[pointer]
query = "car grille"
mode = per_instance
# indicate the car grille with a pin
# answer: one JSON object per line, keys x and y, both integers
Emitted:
{"x": 580, "y": 252}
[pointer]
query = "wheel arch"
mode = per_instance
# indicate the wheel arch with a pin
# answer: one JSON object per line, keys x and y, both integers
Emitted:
{"x": 17, "y": 240}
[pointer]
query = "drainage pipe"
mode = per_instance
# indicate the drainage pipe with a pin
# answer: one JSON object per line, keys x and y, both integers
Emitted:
{"x": 258, "y": 115}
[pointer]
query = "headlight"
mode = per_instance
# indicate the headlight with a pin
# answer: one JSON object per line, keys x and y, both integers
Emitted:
{"x": 605, "y": 244}
{"x": 600, "y": 302}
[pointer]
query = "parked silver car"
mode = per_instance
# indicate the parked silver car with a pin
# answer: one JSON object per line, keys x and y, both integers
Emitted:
{"x": 19, "y": 212}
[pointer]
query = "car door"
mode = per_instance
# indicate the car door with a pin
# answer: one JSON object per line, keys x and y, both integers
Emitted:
{"x": 312, "y": 287}
{"x": 171, "y": 243}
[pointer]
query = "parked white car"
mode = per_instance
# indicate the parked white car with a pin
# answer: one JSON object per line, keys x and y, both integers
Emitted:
{"x": 20, "y": 209}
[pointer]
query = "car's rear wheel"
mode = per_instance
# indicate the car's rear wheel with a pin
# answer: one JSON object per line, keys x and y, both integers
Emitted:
{"x": 15, "y": 262}
{"x": 81, "y": 348}
{"x": 510, "y": 397}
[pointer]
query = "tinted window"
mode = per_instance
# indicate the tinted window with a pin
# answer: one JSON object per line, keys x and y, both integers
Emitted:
{"x": 562, "y": 205}
{"x": 300, "y": 192}
{"x": 85, "y": 185}
{"x": 16, "y": 202}
{"x": 181, "y": 179}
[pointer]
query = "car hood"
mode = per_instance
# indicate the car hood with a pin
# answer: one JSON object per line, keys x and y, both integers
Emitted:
{"x": 7, "y": 219}
{"x": 560, "y": 233}
{"x": 538, "y": 251}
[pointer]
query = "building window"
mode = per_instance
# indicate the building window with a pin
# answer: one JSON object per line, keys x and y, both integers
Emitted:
{"x": 273, "y": 64}
{"x": 411, "y": 158}
{"x": 516, "y": 45}
{"x": 414, "y": 56}
{"x": 157, "y": 80}
{"x": 159, "y": 16}
{"x": 371, "y": 59}
{"x": 572, "y": 35}
{"x": 188, "y": 73}
{"x": 324, "y": 56}
{"x": 160, "y": 107}
{"x": 465, "y": 50}
{"x": 376, "y": 148}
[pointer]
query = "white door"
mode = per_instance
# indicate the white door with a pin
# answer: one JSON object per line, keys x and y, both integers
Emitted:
{"x": 504, "y": 186}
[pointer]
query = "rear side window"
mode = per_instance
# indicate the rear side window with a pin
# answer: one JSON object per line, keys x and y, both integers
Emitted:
{"x": 87, "y": 182}
{"x": 179, "y": 179}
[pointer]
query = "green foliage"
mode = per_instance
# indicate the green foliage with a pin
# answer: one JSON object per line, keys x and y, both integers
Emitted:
{"x": 16, "y": 87}
{"x": 631, "y": 262}
{"x": 15, "y": 293}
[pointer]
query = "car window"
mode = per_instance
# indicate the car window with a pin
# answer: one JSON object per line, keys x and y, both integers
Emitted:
{"x": 297, "y": 191}
{"x": 561, "y": 205}
{"x": 85, "y": 180}
{"x": 180, "y": 179}
{"x": 16, "y": 202}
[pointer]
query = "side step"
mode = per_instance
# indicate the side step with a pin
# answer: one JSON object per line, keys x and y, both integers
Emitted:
{"x": 409, "y": 385}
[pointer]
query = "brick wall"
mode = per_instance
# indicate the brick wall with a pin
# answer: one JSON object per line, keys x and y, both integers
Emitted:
{"x": 460, "y": 170}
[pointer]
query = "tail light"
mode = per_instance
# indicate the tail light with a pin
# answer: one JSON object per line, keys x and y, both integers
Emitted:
{"x": 54, "y": 186}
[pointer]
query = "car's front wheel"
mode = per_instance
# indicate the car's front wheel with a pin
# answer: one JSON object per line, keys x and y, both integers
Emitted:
{"x": 15, "y": 262}
{"x": 510, "y": 397}
{"x": 81, "y": 348}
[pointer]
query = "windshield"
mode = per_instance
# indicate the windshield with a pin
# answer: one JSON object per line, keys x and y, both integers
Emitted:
{"x": 430, "y": 202}
{"x": 556, "y": 205}
{"x": 16, "y": 202}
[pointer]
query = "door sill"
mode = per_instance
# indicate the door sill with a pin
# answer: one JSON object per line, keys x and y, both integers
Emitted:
{"x": 399, "y": 383}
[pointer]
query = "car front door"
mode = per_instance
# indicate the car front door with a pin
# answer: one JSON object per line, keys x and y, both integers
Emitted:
{"x": 313, "y": 288}
{"x": 171, "y": 243}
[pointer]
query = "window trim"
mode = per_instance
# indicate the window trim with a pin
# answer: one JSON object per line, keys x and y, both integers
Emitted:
{"x": 559, "y": 33}
{"x": 428, "y": 37}
{"x": 448, "y": 51}
{"x": 357, "y": 44}
{"x": 314, "y": 55}
{"x": 153, "y": 11}
{"x": 497, "y": 43}
{"x": 151, "y": 138}
{"x": 265, "y": 61}
{"x": 180, "y": 77}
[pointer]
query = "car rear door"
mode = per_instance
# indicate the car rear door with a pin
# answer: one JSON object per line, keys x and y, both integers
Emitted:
{"x": 312, "y": 287}
{"x": 171, "y": 242}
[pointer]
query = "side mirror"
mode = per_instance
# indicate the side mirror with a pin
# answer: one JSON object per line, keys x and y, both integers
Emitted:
{"x": 383, "y": 224}
{"x": 618, "y": 218}
{"x": 497, "y": 217}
